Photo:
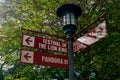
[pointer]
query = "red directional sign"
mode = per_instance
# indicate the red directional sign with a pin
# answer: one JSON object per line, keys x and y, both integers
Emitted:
{"x": 43, "y": 59}
{"x": 91, "y": 37}
{"x": 43, "y": 43}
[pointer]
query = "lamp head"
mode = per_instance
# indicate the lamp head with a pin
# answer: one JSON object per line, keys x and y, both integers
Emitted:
{"x": 69, "y": 14}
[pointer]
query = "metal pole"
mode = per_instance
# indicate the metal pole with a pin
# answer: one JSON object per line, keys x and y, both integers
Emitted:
{"x": 70, "y": 56}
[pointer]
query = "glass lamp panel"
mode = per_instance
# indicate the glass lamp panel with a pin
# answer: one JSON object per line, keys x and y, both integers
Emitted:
{"x": 64, "y": 20}
{"x": 72, "y": 18}
{"x": 67, "y": 18}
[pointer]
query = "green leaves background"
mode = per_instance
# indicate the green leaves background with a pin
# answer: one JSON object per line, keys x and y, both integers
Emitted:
{"x": 102, "y": 58}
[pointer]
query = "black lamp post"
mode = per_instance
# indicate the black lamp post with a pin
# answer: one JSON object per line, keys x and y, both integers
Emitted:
{"x": 69, "y": 14}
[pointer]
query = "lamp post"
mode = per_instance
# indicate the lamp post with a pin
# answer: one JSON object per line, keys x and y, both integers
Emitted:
{"x": 69, "y": 14}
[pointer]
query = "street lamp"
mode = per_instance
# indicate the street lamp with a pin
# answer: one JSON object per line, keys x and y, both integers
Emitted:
{"x": 69, "y": 14}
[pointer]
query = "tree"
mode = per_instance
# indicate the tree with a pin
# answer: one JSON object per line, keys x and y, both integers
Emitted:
{"x": 97, "y": 62}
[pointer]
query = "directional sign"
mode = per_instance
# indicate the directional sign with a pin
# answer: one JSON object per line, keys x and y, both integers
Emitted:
{"x": 28, "y": 40}
{"x": 43, "y": 43}
{"x": 91, "y": 37}
{"x": 27, "y": 56}
{"x": 43, "y": 59}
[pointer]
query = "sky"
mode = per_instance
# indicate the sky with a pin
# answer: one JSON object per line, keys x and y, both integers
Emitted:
{"x": 2, "y": 0}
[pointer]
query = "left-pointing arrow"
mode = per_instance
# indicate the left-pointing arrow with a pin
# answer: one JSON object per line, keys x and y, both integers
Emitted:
{"x": 27, "y": 56}
{"x": 28, "y": 40}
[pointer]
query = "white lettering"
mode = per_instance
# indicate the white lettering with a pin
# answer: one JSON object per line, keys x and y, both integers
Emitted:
{"x": 54, "y": 48}
{"x": 44, "y": 41}
{"x": 78, "y": 47}
{"x": 62, "y": 49}
{"x": 64, "y": 45}
{"x": 54, "y": 60}
{"x": 51, "y": 42}
{"x": 43, "y": 58}
{"x": 43, "y": 46}
{"x": 65, "y": 61}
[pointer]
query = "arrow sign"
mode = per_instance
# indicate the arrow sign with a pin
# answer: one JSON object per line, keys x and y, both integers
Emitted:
{"x": 43, "y": 43}
{"x": 28, "y": 41}
{"x": 27, "y": 56}
{"x": 43, "y": 59}
{"x": 91, "y": 37}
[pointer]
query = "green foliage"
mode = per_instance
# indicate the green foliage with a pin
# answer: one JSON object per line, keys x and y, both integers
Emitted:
{"x": 1, "y": 75}
{"x": 99, "y": 61}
